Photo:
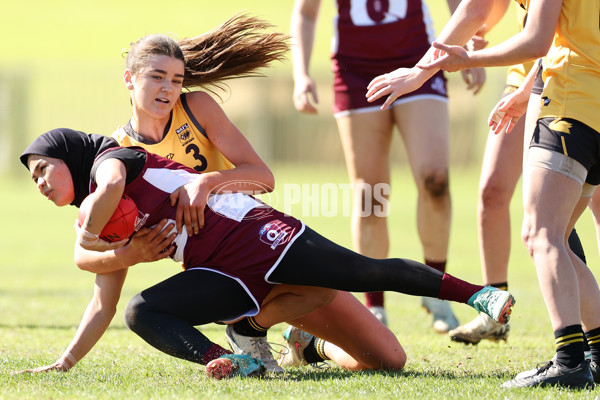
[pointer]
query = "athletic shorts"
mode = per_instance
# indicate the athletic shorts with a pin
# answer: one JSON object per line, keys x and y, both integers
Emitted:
{"x": 573, "y": 139}
{"x": 351, "y": 78}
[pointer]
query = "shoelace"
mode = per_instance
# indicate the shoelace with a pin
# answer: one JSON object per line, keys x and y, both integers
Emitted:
{"x": 265, "y": 348}
{"x": 543, "y": 367}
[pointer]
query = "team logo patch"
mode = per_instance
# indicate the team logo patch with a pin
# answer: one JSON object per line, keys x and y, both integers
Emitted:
{"x": 184, "y": 134}
{"x": 272, "y": 234}
{"x": 560, "y": 125}
{"x": 545, "y": 101}
{"x": 438, "y": 85}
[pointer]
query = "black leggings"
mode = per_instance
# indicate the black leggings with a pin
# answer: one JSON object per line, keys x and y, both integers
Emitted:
{"x": 314, "y": 260}
{"x": 165, "y": 314}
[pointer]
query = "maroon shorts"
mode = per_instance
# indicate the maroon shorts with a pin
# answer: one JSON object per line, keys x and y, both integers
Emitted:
{"x": 351, "y": 78}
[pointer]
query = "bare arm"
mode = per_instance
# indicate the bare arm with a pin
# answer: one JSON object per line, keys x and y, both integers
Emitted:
{"x": 96, "y": 319}
{"x": 532, "y": 42}
{"x": 302, "y": 29}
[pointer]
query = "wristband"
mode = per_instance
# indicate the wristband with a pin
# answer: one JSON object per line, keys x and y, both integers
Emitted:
{"x": 63, "y": 360}
{"x": 87, "y": 237}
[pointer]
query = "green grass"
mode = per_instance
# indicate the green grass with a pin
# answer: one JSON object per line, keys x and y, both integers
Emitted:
{"x": 43, "y": 295}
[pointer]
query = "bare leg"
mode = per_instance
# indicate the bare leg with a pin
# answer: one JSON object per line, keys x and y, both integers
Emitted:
{"x": 356, "y": 339}
{"x": 500, "y": 172}
{"x": 424, "y": 125}
{"x": 287, "y": 302}
{"x": 366, "y": 139}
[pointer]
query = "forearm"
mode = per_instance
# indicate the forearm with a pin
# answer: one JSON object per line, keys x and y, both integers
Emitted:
{"x": 302, "y": 30}
{"x": 97, "y": 316}
{"x": 248, "y": 178}
{"x": 102, "y": 262}
{"x": 466, "y": 20}
{"x": 94, "y": 323}
{"x": 515, "y": 50}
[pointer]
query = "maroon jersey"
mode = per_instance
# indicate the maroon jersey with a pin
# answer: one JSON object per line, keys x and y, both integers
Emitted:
{"x": 388, "y": 31}
{"x": 242, "y": 237}
{"x": 374, "y": 37}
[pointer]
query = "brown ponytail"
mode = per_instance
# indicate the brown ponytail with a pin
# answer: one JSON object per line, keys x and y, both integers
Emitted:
{"x": 237, "y": 48}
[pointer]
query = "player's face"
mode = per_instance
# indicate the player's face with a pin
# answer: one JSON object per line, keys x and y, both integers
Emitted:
{"x": 157, "y": 86}
{"x": 53, "y": 179}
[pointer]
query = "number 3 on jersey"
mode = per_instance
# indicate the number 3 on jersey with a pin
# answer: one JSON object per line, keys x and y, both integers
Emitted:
{"x": 192, "y": 148}
{"x": 372, "y": 12}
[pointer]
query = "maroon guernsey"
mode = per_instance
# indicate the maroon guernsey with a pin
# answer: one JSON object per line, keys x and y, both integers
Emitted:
{"x": 242, "y": 237}
{"x": 374, "y": 37}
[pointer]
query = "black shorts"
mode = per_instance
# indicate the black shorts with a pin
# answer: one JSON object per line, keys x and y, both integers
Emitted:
{"x": 572, "y": 138}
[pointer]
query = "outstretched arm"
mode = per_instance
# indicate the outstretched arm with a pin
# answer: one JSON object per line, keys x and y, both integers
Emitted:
{"x": 96, "y": 319}
{"x": 532, "y": 42}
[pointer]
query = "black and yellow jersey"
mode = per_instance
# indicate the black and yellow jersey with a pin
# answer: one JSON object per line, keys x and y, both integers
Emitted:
{"x": 184, "y": 141}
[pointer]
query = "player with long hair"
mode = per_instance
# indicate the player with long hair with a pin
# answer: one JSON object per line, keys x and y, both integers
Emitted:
{"x": 192, "y": 128}
{"x": 244, "y": 249}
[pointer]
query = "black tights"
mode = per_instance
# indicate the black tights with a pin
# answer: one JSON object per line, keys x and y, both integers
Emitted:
{"x": 314, "y": 260}
{"x": 165, "y": 314}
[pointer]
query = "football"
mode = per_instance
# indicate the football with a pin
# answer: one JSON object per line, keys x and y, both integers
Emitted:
{"x": 220, "y": 368}
{"x": 122, "y": 223}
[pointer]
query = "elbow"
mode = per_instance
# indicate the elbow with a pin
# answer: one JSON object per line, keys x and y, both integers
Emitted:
{"x": 538, "y": 50}
{"x": 270, "y": 182}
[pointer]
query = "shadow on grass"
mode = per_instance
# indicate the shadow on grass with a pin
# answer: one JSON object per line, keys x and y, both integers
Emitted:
{"x": 55, "y": 327}
{"x": 335, "y": 373}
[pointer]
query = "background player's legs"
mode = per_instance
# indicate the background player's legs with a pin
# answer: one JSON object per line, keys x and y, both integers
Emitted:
{"x": 424, "y": 127}
{"x": 366, "y": 139}
{"x": 500, "y": 173}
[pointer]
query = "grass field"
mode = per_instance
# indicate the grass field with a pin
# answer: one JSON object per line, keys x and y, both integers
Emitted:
{"x": 61, "y": 62}
{"x": 43, "y": 295}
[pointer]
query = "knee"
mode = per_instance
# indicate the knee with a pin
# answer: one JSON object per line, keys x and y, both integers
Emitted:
{"x": 371, "y": 200}
{"x": 537, "y": 240}
{"x": 436, "y": 185}
{"x": 396, "y": 360}
{"x": 393, "y": 360}
{"x": 492, "y": 195}
{"x": 135, "y": 311}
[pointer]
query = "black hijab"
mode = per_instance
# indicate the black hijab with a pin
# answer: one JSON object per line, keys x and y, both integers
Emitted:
{"x": 77, "y": 149}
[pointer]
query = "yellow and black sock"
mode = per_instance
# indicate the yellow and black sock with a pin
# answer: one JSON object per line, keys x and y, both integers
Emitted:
{"x": 569, "y": 345}
{"x": 315, "y": 351}
{"x": 500, "y": 285}
{"x": 249, "y": 327}
{"x": 593, "y": 340}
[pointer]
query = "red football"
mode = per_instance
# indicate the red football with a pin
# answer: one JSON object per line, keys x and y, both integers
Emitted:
{"x": 220, "y": 368}
{"x": 122, "y": 223}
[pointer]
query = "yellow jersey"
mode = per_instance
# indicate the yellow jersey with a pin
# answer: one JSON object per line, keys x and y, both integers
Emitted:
{"x": 184, "y": 141}
{"x": 572, "y": 66}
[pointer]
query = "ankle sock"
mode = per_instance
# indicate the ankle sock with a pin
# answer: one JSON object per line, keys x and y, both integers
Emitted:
{"x": 248, "y": 327}
{"x": 315, "y": 351}
{"x": 569, "y": 345}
